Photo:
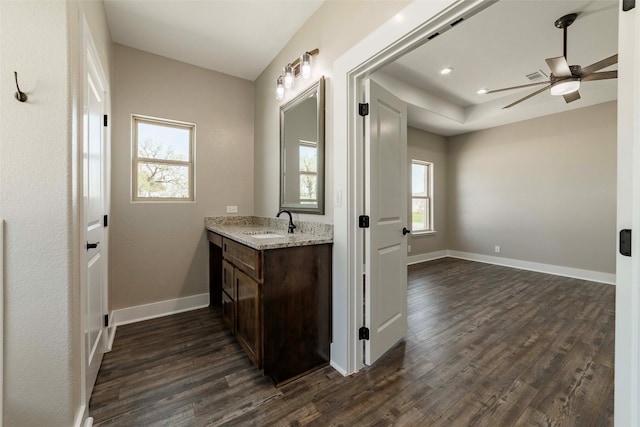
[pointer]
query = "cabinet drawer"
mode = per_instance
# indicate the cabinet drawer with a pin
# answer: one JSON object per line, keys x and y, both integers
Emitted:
{"x": 214, "y": 238}
{"x": 243, "y": 257}
{"x": 228, "y": 312}
{"x": 227, "y": 279}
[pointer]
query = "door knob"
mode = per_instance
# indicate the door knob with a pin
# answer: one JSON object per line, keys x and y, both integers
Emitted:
{"x": 92, "y": 245}
{"x": 405, "y": 231}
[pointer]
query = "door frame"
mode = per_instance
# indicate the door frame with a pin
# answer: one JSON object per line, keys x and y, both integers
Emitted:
{"x": 405, "y": 31}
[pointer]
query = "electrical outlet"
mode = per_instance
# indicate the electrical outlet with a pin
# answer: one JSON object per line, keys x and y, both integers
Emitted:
{"x": 232, "y": 209}
{"x": 408, "y": 248}
{"x": 497, "y": 249}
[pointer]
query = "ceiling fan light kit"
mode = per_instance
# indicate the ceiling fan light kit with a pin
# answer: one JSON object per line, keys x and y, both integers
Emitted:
{"x": 564, "y": 87}
{"x": 565, "y": 79}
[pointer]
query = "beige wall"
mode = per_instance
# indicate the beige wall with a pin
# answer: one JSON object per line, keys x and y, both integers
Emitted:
{"x": 159, "y": 250}
{"x": 334, "y": 28}
{"x": 42, "y": 364}
{"x": 542, "y": 189}
{"x": 429, "y": 147}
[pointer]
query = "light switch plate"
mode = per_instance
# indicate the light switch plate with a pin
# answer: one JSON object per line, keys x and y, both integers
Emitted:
{"x": 232, "y": 209}
{"x": 337, "y": 197}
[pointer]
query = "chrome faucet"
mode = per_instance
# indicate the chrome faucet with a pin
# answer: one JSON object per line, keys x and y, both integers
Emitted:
{"x": 291, "y": 224}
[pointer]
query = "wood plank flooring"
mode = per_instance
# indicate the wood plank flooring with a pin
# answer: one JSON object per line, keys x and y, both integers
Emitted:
{"x": 487, "y": 346}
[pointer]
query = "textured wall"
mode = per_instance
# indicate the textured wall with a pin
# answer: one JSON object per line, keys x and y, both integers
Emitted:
{"x": 159, "y": 250}
{"x": 543, "y": 189}
{"x": 42, "y": 368}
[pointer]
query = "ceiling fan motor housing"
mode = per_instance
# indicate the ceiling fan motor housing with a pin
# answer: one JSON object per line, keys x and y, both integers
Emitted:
{"x": 576, "y": 72}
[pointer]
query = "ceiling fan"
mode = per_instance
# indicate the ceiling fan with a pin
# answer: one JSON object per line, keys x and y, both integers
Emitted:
{"x": 565, "y": 79}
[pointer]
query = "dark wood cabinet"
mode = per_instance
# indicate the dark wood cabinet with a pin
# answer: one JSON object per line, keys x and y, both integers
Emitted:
{"x": 249, "y": 316}
{"x": 277, "y": 302}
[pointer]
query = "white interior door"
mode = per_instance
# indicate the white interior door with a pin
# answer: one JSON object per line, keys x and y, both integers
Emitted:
{"x": 94, "y": 192}
{"x": 627, "y": 342}
{"x": 386, "y": 205}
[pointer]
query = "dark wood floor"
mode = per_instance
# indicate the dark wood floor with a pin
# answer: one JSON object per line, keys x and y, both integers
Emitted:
{"x": 487, "y": 346}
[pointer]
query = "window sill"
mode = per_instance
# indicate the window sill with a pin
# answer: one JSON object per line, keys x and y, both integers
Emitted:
{"x": 423, "y": 233}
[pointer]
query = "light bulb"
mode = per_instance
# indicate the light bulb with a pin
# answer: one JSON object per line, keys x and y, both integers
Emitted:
{"x": 288, "y": 76}
{"x": 305, "y": 68}
{"x": 280, "y": 88}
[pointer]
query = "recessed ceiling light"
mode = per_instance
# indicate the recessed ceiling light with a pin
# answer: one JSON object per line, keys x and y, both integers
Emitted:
{"x": 446, "y": 70}
{"x": 482, "y": 91}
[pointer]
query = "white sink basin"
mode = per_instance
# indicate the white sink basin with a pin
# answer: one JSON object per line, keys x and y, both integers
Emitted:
{"x": 264, "y": 234}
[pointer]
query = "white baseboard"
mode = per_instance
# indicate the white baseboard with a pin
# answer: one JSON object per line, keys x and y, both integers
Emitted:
{"x": 338, "y": 368}
{"x": 416, "y": 259}
{"x": 558, "y": 270}
{"x": 139, "y": 313}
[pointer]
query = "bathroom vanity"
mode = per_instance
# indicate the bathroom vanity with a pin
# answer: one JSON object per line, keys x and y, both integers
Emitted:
{"x": 275, "y": 291}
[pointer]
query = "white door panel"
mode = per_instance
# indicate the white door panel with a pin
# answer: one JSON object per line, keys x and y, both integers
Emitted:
{"x": 94, "y": 167}
{"x": 386, "y": 195}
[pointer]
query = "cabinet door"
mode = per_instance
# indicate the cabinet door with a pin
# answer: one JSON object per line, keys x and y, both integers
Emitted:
{"x": 249, "y": 316}
{"x": 228, "y": 312}
{"x": 227, "y": 279}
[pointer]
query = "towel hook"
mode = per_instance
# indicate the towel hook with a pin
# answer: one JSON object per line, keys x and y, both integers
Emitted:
{"x": 20, "y": 96}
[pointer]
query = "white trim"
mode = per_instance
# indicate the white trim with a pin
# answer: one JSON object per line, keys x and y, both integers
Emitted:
{"x": 430, "y": 256}
{"x": 143, "y": 312}
{"x": 81, "y": 416}
{"x": 338, "y": 368}
{"x": 88, "y": 422}
{"x": 558, "y": 270}
{"x": 1, "y": 319}
{"x": 112, "y": 332}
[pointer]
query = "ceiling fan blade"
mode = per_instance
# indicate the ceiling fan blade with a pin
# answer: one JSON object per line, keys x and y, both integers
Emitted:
{"x": 527, "y": 97}
{"x": 570, "y": 97}
{"x": 613, "y": 59}
{"x": 603, "y": 75}
{"x": 517, "y": 87}
{"x": 559, "y": 66}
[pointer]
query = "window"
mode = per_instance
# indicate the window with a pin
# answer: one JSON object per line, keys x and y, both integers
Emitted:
{"x": 421, "y": 196}
{"x": 308, "y": 169}
{"x": 162, "y": 159}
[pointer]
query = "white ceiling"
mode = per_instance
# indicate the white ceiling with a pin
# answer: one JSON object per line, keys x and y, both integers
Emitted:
{"x": 236, "y": 37}
{"x": 497, "y": 48}
{"x": 493, "y": 49}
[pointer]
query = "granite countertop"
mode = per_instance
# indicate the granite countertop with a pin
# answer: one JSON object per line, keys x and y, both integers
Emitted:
{"x": 241, "y": 228}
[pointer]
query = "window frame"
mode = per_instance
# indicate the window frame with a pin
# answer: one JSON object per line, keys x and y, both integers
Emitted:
{"x": 428, "y": 197}
{"x": 135, "y": 160}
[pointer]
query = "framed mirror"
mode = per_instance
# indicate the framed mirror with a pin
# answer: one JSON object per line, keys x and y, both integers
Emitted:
{"x": 302, "y": 152}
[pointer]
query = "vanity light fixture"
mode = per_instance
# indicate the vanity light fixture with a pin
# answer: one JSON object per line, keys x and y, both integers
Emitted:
{"x": 288, "y": 76}
{"x": 300, "y": 67}
{"x": 446, "y": 70}
{"x": 280, "y": 88}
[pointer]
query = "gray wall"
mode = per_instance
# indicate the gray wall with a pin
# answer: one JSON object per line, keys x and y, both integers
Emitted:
{"x": 543, "y": 189}
{"x": 159, "y": 250}
{"x": 38, "y": 201}
{"x": 432, "y": 148}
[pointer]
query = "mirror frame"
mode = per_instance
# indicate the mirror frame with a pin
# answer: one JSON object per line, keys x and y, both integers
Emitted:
{"x": 318, "y": 88}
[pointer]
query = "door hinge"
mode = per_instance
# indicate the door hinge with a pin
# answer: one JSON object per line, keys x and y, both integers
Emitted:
{"x": 363, "y": 109}
{"x": 627, "y": 5}
{"x": 363, "y": 221}
{"x": 105, "y": 221}
{"x": 106, "y": 120}
{"x": 625, "y": 242}
{"x": 106, "y": 320}
{"x": 363, "y": 333}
